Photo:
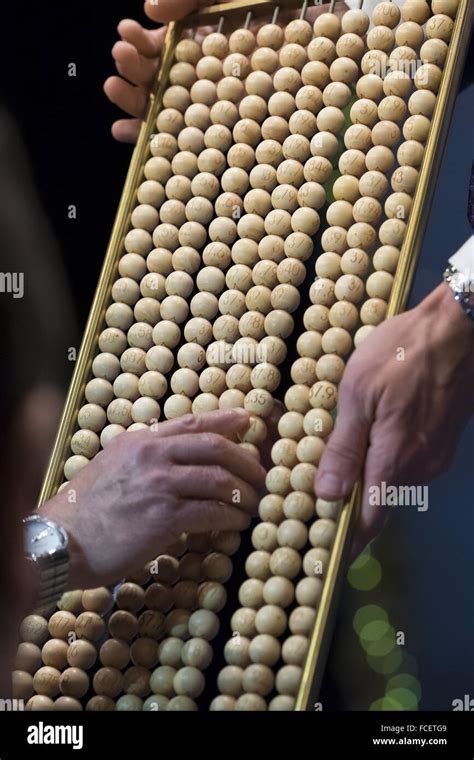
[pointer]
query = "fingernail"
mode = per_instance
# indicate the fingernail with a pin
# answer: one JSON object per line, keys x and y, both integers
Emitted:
{"x": 330, "y": 486}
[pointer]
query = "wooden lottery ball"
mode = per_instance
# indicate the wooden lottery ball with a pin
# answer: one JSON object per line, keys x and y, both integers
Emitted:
{"x": 352, "y": 162}
{"x": 191, "y": 140}
{"x": 224, "y": 115}
{"x": 129, "y": 703}
{"x": 264, "y": 59}
{"x": 61, "y": 624}
{"x": 246, "y": 131}
{"x": 54, "y": 653}
{"x": 161, "y": 680}
{"x": 416, "y": 128}
{"x": 198, "y": 116}
{"x": 259, "y": 83}
{"x": 288, "y": 680}
{"x": 101, "y": 703}
{"x": 370, "y": 86}
{"x": 344, "y": 70}
{"x": 189, "y": 51}
{"x": 208, "y": 67}
{"x": 392, "y": 108}
{"x": 28, "y": 657}
{"x": 373, "y": 311}
{"x": 410, "y": 34}
{"x": 318, "y": 421}
{"x": 386, "y": 258}
{"x": 271, "y": 619}
{"x": 23, "y": 684}
{"x": 258, "y": 679}
{"x": 257, "y": 565}
{"x": 215, "y": 44}
{"x": 89, "y": 625}
{"x": 330, "y": 119}
{"x": 152, "y": 624}
{"x": 74, "y": 465}
{"x": 308, "y": 591}
{"x": 416, "y": 10}
{"x": 428, "y": 77}
{"x": 358, "y": 137}
{"x": 380, "y": 38}
{"x": 336, "y": 340}
{"x": 147, "y": 310}
{"x": 270, "y": 36}
{"x": 373, "y": 184}
{"x": 292, "y": 533}
{"x": 184, "y": 164}
{"x": 439, "y": 27}
{"x": 323, "y": 395}
{"x": 290, "y": 425}
{"x": 160, "y": 260}
{"x": 204, "y": 624}
{"x": 398, "y": 205}
{"x": 203, "y": 92}
{"x": 250, "y": 703}
{"x": 170, "y": 652}
{"x": 45, "y": 681}
{"x": 212, "y": 596}
{"x": 343, "y": 314}
{"x": 330, "y": 367}
{"x": 322, "y": 533}
{"x": 119, "y": 315}
{"x": 253, "y": 107}
{"x": 386, "y": 133}
{"x": 310, "y": 449}
{"x": 130, "y": 596}
{"x": 114, "y": 653}
{"x": 106, "y": 365}
{"x": 315, "y": 73}
{"x": 236, "y": 66}
{"x": 122, "y": 625}
{"x": 321, "y": 292}
{"x": 119, "y": 412}
{"x": 196, "y": 653}
{"x": 91, "y": 417}
{"x": 155, "y": 703}
{"x": 217, "y": 567}
{"x": 448, "y": 7}
{"x": 242, "y": 41}
{"x": 182, "y": 704}
{"x": 109, "y": 433}
{"x": 355, "y": 21}
{"x": 340, "y": 213}
{"x": 250, "y": 593}
{"x": 363, "y": 111}
{"x": 380, "y": 159}
{"x": 264, "y": 650}
{"x": 218, "y": 137}
{"x": 327, "y": 25}
{"x": 361, "y": 235}
{"x": 81, "y": 654}
{"x": 164, "y": 144}
{"x": 108, "y": 682}
{"x": 270, "y": 508}
{"x": 136, "y": 681}
{"x": 285, "y": 562}
{"x": 85, "y": 443}
{"x": 229, "y": 680}
{"x": 279, "y": 591}
{"x": 264, "y": 539}
{"x": 126, "y": 386}
{"x": 350, "y": 45}
{"x": 367, "y": 210}
{"x": 355, "y": 261}
{"x": 229, "y": 90}
{"x": 410, "y": 153}
{"x": 236, "y": 651}
{"x": 139, "y": 241}
{"x": 39, "y": 703}
{"x": 296, "y": 399}
{"x": 379, "y": 285}
{"x": 316, "y": 318}
{"x": 294, "y": 649}
{"x": 386, "y": 14}
{"x": 74, "y": 683}
{"x": 293, "y": 55}
{"x": 301, "y": 622}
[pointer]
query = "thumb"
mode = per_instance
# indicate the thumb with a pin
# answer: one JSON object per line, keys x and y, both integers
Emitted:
{"x": 343, "y": 457}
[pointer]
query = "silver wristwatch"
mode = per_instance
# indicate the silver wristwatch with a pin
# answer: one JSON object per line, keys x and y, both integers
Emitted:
{"x": 462, "y": 285}
{"x": 46, "y": 546}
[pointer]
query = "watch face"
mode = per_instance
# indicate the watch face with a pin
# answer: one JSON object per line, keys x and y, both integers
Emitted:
{"x": 43, "y": 538}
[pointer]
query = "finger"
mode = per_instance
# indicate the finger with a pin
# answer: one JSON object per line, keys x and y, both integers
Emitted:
{"x": 217, "y": 484}
{"x": 198, "y": 516}
{"x": 131, "y": 99}
{"x": 148, "y": 42}
{"x": 214, "y": 449}
{"x": 171, "y": 10}
{"x": 343, "y": 457}
{"x": 223, "y": 421}
{"x": 126, "y": 130}
{"x": 133, "y": 66}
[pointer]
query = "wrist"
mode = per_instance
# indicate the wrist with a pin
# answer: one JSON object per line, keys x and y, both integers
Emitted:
{"x": 58, "y": 510}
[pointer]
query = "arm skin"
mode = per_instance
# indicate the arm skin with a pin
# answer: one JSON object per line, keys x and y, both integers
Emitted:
{"x": 400, "y": 421}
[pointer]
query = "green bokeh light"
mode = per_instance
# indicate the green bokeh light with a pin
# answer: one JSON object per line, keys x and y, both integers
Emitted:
{"x": 368, "y": 614}
{"x": 385, "y": 703}
{"x": 386, "y": 665}
{"x": 405, "y": 681}
{"x": 365, "y": 573}
{"x": 405, "y": 698}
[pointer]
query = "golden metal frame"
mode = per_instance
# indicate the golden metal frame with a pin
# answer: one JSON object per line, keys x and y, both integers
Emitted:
{"x": 326, "y": 616}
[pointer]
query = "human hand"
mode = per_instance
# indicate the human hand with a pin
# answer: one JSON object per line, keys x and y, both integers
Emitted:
{"x": 137, "y": 56}
{"x": 136, "y": 497}
{"x": 406, "y": 395}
